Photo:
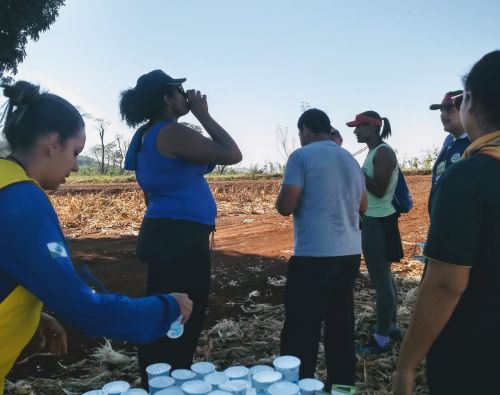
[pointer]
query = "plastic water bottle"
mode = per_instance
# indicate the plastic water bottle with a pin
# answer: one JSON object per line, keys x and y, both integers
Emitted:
{"x": 176, "y": 328}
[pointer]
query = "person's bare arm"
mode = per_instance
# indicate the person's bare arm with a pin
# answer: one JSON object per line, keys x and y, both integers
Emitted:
{"x": 180, "y": 141}
{"x": 438, "y": 297}
{"x": 384, "y": 163}
{"x": 363, "y": 205}
{"x": 288, "y": 199}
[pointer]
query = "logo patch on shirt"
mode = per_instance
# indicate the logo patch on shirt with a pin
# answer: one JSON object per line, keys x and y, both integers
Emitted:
{"x": 57, "y": 250}
{"x": 440, "y": 167}
{"x": 455, "y": 158}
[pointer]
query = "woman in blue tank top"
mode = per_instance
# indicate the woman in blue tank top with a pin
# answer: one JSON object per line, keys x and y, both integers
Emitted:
{"x": 170, "y": 161}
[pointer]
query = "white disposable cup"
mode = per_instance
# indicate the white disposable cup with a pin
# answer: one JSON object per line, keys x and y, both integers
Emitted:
{"x": 176, "y": 328}
{"x": 288, "y": 366}
{"x": 160, "y": 382}
{"x": 219, "y": 392}
{"x": 158, "y": 369}
{"x": 237, "y": 373}
{"x": 235, "y": 387}
{"x": 283, "y": 388}
{"x": 259, "y": 368}
{"x": 173, "y": 390}
{"x": 202, "y": 369}
{"x": 135, "y": 391}
{"x": 262, "y": 380}
{"x": 182, "y": 375}
{"x": 310, "y": 386}
{"x": 95, "y": 392}
{"x": 216, "y": 378}
{"x": 196, "y": 387}
{"x": 115, "y": 387}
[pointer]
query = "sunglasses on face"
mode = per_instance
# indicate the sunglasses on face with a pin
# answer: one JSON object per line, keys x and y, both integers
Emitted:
{"x": 180, "y": 89}
{"x": 457, "y": 100}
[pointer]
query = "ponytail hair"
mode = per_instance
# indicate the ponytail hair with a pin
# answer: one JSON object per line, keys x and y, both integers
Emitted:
{"x": 31, "y": 114}
{"x": 146, "y": 100}
{"x": 386, "y": 129}
{"x": 140, "y": 105}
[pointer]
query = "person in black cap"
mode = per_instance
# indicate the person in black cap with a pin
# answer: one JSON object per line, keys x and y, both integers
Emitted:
{"x": 170, "y": 161}
{"x": 457, "y": 140}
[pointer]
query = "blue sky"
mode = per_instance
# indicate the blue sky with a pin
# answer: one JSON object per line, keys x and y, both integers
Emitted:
{"x": 258, "y": 60}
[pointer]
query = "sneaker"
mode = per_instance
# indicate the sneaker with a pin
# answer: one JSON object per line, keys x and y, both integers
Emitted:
{"x": 373, "y": 348}
{"x": 395, "y": 334}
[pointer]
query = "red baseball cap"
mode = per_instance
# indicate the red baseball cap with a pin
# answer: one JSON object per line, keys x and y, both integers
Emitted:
{"x": 447, "y": 101}
{"x": 362, "y": 119}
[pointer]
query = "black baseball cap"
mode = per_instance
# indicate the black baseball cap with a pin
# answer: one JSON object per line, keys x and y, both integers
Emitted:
{"x": 155, "y": 78}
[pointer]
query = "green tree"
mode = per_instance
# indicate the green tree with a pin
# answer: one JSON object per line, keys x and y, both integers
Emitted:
{"x": 19, "y": 21}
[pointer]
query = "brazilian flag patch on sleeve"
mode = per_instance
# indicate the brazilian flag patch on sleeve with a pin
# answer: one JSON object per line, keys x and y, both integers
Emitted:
{"x": 57, "y": 250}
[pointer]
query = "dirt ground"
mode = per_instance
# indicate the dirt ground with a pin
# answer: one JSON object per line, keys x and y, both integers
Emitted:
{"x": 250, "y": 251}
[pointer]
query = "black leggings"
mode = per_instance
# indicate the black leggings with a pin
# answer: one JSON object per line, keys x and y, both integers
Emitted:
{"x": 178, "y": 256}
{"x": 378, "y": 263}
{"x": 320, "y": 290}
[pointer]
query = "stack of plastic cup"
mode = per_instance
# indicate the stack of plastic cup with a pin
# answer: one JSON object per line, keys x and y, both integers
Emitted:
{"x": 182, "y": 375}
{"x": 202, "y": 369}
{"x": 135, "y": 391}
{"x": 173, "y": 390}
{"x": 115, "y": 387}
{"x": 237, "y": 373}
{"x": 236, "y": 387}
{"x": 219, "y": 392}
{"x": 283, "y": 388}
{"x": 310, "y": 386}
{"x": 288, "y": 366}
{"x": 216, "y": 378}
{"x": 264, "y": 379}
{"x": 158, "y": 369}
{"x": 159, "y": 383}
{"x": 258, "y": 368}
{"x": 196, "y": 387}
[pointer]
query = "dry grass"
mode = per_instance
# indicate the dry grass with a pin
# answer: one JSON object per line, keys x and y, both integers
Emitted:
{"x": 120, "y": 212}
{"x": 250, "y": 339}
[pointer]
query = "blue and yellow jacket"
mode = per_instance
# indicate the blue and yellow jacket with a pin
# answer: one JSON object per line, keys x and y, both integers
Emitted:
{"x": 35, "y": 268}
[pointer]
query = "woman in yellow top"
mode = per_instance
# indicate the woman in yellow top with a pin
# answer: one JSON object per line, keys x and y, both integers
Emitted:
{"x": 380, "y": 236}
{"x": 46, "y": 134}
